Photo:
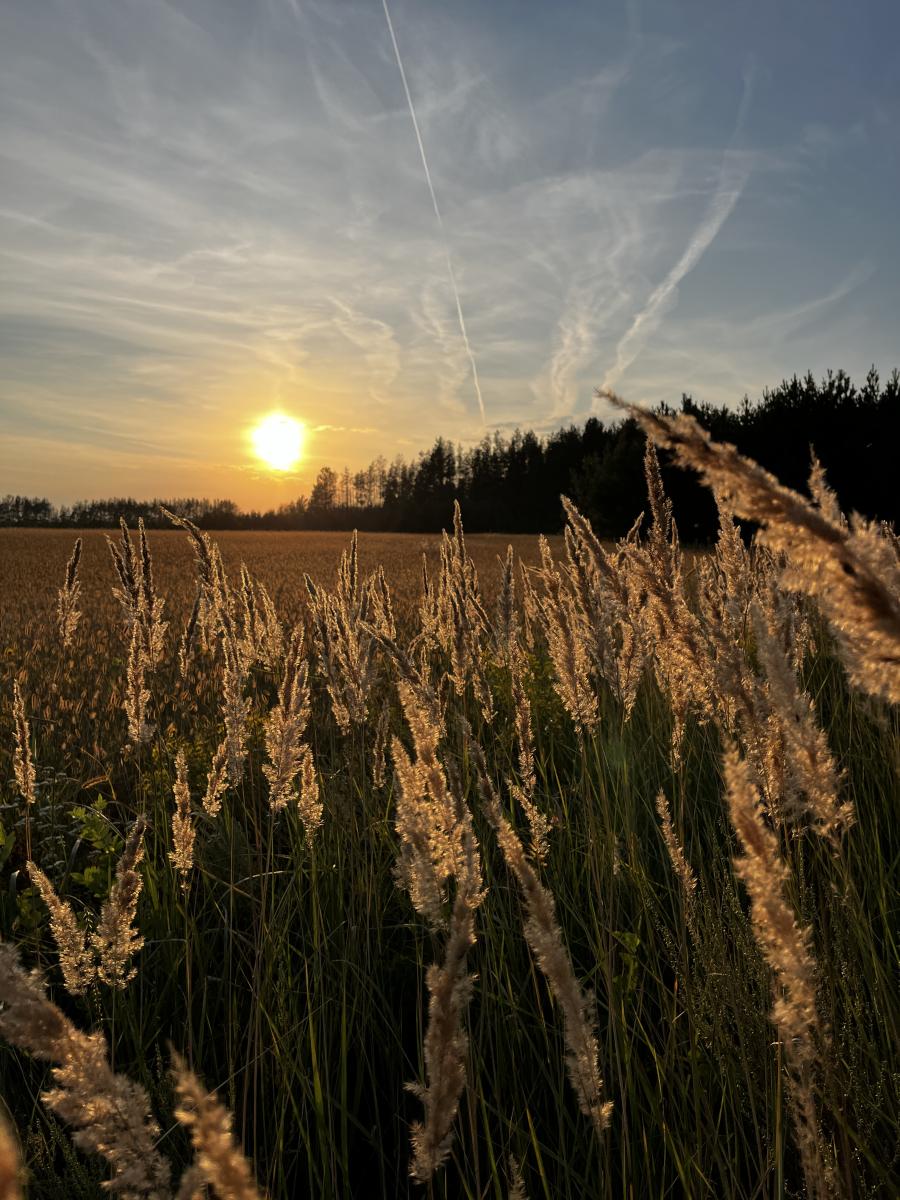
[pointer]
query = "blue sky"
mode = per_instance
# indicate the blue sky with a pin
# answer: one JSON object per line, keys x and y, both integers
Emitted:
{"x": 216, "y": 208}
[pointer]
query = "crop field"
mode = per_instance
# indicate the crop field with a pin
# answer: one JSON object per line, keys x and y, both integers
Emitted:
{"x": 569, "y": 871}
{"x": 33, "y": 563}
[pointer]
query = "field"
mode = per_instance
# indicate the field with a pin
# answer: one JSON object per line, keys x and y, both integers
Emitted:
{"x": 33, "y": 565}
{"x": 597, "y": 850}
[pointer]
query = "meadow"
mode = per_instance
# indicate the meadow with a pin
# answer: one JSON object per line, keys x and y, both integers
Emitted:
{"x": 409, "y": 866}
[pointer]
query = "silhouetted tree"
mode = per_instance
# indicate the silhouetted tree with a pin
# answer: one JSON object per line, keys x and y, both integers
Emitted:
{"x": 324, "y": 494}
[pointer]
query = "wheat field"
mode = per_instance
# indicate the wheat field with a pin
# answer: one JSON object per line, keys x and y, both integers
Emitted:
{"x": 401, "y": 866}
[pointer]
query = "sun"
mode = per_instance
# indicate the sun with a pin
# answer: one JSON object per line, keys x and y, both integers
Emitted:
{"x": 278, "y": 441}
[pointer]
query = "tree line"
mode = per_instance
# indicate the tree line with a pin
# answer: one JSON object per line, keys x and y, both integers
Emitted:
{"x": 513, "y": 484}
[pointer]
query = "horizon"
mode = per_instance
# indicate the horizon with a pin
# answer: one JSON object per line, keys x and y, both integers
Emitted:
{"x": 516, "y": 483}
{"x": 216, "y": 213}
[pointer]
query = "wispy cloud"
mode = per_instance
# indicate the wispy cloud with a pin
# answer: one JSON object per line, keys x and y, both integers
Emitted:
{"x": 645, "y": 322}
{"x": 732, "y": 179}
{"x": 213, "y": 210}
{"x": 451, "y": 274}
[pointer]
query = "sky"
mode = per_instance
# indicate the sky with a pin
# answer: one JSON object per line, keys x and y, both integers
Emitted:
{"x": 216, "y": 209}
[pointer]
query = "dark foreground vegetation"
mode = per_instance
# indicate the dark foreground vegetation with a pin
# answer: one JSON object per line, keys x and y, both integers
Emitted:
{"x": 514, "y": 484}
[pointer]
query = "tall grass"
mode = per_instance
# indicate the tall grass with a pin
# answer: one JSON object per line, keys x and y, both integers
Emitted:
{"x": 601, "y": 860}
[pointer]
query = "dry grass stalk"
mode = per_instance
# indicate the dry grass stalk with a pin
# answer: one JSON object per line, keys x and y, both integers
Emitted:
{"x": 446, "y": 1042}
{"x": 544, "y": 936}
{"x": 429, "y": 607}
{"x": 269, "y": 633}
{"x": 724, "y": 589}
{"x": 786, "y": 947}
{"x": 206, "y": 557}
{"x": 663, "y": 533}
{"x": 137, "y": 694}
{"x": 852, "y": 571}
{"x": 109, "y": 1113}
{"x": 563, "y": 626}
{"x": 379, "y": 749}
{"x": 23, "y": 764}
{"x": 516, "y": 1182}
{"x": 424, "y": 863}
{"x": 684, "y": 872}
{"x": 682, "y": 662}
{"x": 115, "y": 939}
{"x": 438, "y": 845}
{"x": 136, "y": 592}
{"x": 788, "y": 614}
{"x": 192, "y": 1185}
{"x": 458, "y": 623}
{"x": 594, "y": 611}
{"x": 807, "y": 767}
{"x": 381, "y": 606}
{"x": 538, "y": 824}
{"x": 531, "y": 616}
{"x": 412, "y": 667}
{"x": 76, "y": 959}
{"x": 202, "y": 549}
{"x": 68, "y": 613}
{"x": 127, "y": 569}
{"x": 524, "y": 728}
{"x": 774, "y": 718}
{"x": 235, "y": 705}
{"x": 309, "y": 794}
{"x": 428, "y": 817}
{"x": 506, "y": 624}
{"x": 735, "y": 568}
{"x": 739, "y": 599}
{"x": 10, "y": 1170}
{"x": 218, "y": 1160}
{"x": 261, "y": 636}
{"x": 183, "y": 832}
{"x": 285, "y": 726}
{"x": 249, "y": 642}
{"x": 605, "y": 594}
{"x": 150, "y": 605}
{"x": 235, "y": 711}
{"x": 107, "y": 952}
{"x": 217, "y": 609}
{"x": 343, "y": 624}
{"x": 524, "y": 790}
{"x": 186, "y": 645}
{"x": 216, "y": 780}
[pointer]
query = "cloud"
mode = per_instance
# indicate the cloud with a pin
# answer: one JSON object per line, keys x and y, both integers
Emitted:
{"x": 451, "y": 274}
{"x": 732, "y": 179}
{"x": 721, "y": 206}
{"x": 216, "y": 210}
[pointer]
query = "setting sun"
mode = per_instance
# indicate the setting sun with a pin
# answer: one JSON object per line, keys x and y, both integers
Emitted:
{"x": 278, "y": 441}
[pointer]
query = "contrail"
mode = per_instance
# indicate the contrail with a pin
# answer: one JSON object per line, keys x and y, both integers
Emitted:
{"x": 647, "y": 319}
{"x": 730, "y": 185}
{"x": 437, "y": 213}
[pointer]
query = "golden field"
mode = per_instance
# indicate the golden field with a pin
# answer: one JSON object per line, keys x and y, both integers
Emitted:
{"x": 33, "y": 561}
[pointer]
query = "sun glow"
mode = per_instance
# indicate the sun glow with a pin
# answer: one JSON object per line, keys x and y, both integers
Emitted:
{"x": 278, "y": 441}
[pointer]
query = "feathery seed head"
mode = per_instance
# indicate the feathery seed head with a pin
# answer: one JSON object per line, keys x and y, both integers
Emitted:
{"x": 23, "y": 764}
{"x": 183, "y": 832}
{"x": 67, "y": 610}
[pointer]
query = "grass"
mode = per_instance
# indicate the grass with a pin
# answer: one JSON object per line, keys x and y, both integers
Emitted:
{"x": 291, "y": 974}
